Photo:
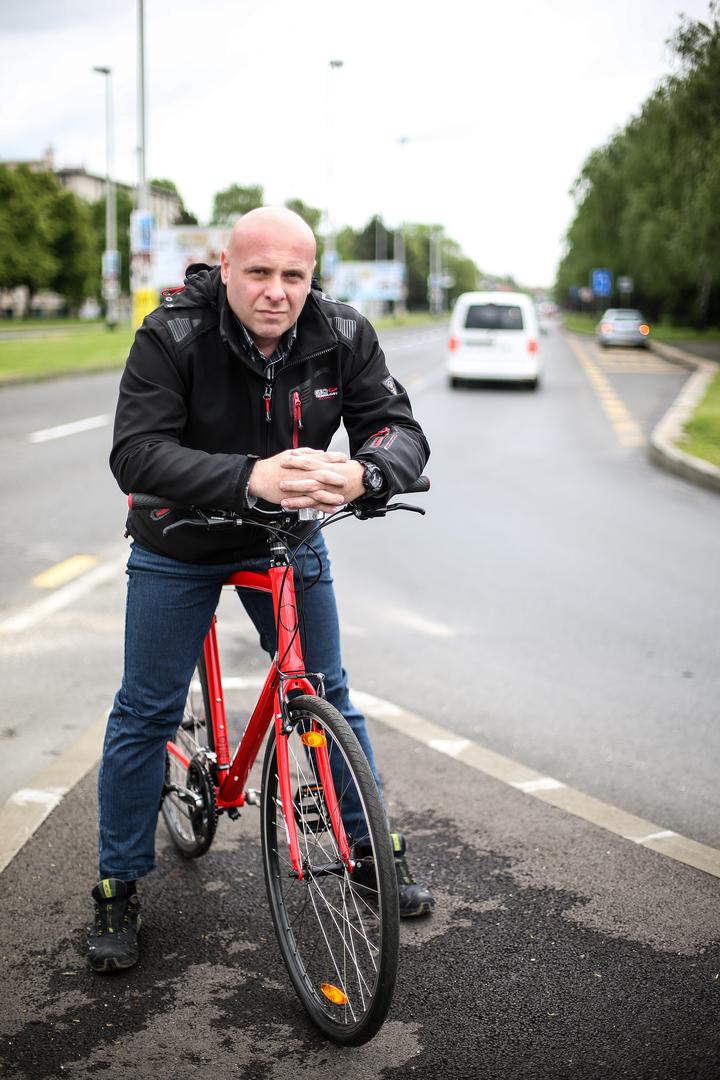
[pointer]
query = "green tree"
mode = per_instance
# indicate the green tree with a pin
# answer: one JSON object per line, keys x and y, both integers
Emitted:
{"x": 230, "y": 204}
{"x": 184, "y": 216}
{"x": 27, "y": 228}
{"x": 309, "y": 214}
{"x": 75, "y": 249}
{"x": 648, "y": 202}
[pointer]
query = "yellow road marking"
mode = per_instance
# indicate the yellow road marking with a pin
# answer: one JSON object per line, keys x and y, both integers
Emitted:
{"x": 64, "y": 571}
{"x": 626, "y": 429}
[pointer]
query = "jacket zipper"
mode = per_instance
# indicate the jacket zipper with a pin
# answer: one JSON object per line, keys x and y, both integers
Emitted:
{"x": 268, "y": 392}
{"x": 297, "y": 419}
{"x": 267, "y": 398}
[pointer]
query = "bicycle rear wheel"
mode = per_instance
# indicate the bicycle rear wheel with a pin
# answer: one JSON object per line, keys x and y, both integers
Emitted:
{"x": 189, "y": 805}
{"x": 338, "y": 931}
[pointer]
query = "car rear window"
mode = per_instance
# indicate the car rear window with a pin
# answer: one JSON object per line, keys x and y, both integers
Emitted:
{"x": 633, "y": 315}
{"x": 494, "y": 317}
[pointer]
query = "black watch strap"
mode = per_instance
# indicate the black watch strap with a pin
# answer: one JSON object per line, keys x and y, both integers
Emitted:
{"x": 372, "y": 477}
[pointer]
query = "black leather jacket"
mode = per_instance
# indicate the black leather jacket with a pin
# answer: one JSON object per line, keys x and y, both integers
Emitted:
{"x": 195, "y": 411}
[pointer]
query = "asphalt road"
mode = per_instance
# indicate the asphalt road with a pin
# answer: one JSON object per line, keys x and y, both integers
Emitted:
{"x": 558, "y": 604}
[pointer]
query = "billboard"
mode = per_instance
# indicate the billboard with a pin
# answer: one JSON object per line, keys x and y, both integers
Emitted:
{"x": 369, "y": 281}
{"x": 178, "y": 246}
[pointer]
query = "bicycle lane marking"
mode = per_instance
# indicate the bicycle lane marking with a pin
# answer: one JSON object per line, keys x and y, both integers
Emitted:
{"x": 546, "y": 788}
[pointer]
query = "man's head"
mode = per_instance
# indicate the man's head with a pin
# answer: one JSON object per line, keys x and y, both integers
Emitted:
{"x": 267, "y": 268}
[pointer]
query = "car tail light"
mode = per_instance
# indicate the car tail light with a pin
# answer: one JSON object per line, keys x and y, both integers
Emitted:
{"x": 532, "y": 346}
{"x": 644, "y": 329}
{"x": 454, "y": 344}
{"x": 606, "y": 328}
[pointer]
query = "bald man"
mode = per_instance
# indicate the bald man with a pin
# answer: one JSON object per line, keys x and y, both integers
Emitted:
{"x": 232, "y": 392}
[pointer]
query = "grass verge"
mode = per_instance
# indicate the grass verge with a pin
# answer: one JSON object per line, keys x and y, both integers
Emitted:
{"x": 64, "y": 350}
{"x": 701, "y": 436}
{"x": 40, "y": 349}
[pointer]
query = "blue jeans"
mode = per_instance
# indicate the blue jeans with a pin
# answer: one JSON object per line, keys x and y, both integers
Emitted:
{"x": 170, "y": 605}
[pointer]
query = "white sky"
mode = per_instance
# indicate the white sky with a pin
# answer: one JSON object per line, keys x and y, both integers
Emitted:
{"x": 500, "y": 103}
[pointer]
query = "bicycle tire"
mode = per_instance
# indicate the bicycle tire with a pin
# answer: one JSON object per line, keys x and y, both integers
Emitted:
{"x": 338, "y": 932}
{"x": 192, "y": 828}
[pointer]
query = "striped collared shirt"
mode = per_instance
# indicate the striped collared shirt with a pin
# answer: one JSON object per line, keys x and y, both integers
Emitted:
{"x": 278, "y": 357}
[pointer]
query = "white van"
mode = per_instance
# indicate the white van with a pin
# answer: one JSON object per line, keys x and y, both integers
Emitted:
{"x": 494, "y": 335}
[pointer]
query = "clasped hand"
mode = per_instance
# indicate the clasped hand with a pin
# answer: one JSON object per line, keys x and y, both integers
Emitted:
{"x": 320, "y": 479}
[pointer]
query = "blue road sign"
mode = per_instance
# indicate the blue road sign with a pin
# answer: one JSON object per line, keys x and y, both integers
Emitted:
{"x": 601, "y": 282}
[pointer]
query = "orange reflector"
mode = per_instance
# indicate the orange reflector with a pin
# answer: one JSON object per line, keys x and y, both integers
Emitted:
{"x": 334, "y": 994}
{"x": 313, "y": 738}
{"x": 453, "y": 344}
{"x": 532, "y": 346}
{"x": 606, "y": 328}
{"x": 644, "y": 330}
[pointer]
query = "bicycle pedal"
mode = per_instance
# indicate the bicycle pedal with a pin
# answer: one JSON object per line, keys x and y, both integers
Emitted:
{"x": 311, "y": 813}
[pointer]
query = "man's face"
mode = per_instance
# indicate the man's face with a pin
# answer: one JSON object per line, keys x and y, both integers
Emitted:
{"x": 267, "y": 272}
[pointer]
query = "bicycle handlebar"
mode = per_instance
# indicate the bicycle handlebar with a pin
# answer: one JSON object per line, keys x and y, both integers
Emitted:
{"x": 142, "y": 501}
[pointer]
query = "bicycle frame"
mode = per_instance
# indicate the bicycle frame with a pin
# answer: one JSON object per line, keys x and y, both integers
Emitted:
{"x": 286, "y": 674}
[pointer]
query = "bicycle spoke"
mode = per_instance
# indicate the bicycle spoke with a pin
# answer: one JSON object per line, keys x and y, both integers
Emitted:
{"x": 337, "y": 924}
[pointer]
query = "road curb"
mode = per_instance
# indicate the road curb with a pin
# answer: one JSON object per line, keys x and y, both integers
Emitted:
{"x": 662, "y": 447}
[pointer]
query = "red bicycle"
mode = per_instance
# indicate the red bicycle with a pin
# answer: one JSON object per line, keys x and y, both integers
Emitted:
{"x": 332, "y": 892}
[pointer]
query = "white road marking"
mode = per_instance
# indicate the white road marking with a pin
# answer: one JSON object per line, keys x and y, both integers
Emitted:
{"x": 537, "y": 786}
{"x": 49, "y": 797}
{"x": 451, "y": 747}
{"x": 543, "y": 783}
{"x": 412, "y": 621}
{"x": 62, "y": 430}
{"x": 25, "y": 811}
{"x": 41, "y": 609}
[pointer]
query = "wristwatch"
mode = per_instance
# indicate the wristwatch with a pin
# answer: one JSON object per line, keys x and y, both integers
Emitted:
{"x": 372, "y": 478}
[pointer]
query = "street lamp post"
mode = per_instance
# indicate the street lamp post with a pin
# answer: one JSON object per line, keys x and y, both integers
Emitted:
{"x": 111, "y": 256}
{"x": 330, "y": 254}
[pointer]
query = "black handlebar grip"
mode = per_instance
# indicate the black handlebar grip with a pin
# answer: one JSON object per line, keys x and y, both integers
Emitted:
{"x": 421, "y": 484}
{"x": 138, "y": 500}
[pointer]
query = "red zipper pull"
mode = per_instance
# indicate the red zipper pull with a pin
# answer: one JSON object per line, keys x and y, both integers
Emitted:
{"x": 267, "y": 395}
{"x": 297, "y": 419}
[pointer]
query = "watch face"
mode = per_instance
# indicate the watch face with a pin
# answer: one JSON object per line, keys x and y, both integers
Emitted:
{"x": 372, "y": 478}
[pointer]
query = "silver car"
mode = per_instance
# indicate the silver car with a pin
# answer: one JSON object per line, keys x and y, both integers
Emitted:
{"x": 622, "y": 326}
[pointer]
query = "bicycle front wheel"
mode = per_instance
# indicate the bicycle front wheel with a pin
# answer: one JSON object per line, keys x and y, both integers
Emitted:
{"x": 338, "y": 930}
{"x": 189, "y": 805}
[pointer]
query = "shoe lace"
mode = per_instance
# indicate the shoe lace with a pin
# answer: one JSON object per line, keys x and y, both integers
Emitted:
{"x": 104, "y": 912}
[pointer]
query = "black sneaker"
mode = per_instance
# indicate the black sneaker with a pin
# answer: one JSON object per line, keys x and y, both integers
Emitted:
{"x": 414, "y": 899}
{"x": 112, "y": 944}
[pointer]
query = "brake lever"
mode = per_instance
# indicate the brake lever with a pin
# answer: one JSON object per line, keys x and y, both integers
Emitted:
{"x": 203, "y": 523}
{"x": 363, "y": 513}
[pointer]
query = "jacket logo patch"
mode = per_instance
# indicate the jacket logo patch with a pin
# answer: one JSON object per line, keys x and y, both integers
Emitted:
{"x": 180, "y": 328}
{"x": 325, "y": 392}
{"x": 389, "y": 384}
{"x": 347, "y": 327}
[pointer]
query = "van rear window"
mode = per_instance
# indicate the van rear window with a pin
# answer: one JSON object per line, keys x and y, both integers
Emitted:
{"x": 493, "y": 317}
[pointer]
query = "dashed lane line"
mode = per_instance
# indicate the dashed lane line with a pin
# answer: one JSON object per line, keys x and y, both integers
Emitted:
{"x": 73, "y": 428}
{"x": 546, "y": 788}
{"x": 63, "y": 572}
